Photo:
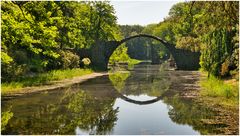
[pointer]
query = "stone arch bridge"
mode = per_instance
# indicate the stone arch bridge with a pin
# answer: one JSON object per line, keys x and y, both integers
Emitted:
{"x": 100, "y": 53}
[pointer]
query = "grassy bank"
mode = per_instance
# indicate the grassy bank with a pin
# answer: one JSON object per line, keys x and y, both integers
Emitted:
{"x": 224, "y": 91}
{"x": 43, "y": 79}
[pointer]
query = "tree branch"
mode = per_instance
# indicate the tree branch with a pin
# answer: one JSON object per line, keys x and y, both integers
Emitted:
{"x": 22, "y": 12}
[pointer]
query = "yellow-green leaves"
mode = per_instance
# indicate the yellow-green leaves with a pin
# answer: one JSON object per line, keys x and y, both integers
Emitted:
{"x": 5, "y": 58}
{"x": 5, "y": 117}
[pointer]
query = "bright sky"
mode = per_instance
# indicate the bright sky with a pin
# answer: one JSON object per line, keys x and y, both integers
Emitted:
{"x": 141, "y": 12}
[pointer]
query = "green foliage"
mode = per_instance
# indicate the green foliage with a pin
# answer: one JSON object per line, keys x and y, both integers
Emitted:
{"x": 6, "y": 66}
{"x": 128, "y": 30}
{"x": 5, "y": 59}
{"x": 86, "y": 61}
{"x": 24, "y": 36}
{"x": 214, "y": 87}
{"x": 159, "y": 52}
{"x": 144, "y": 48}
{"x": 133, "y": 62}
{"x": 119, "y": 55}
{"x": 137, "y": 48}
{"x": 35, "y": 34}
{"x": 10, "y": 71}
{"x": 69, "y": 60}
{"x": 118, "y": 80}
{"x": 5, "y": 117}
{"x": 189, "y": 43}
{"x": 164, "y": 30}
{"x": 208, "y": 27}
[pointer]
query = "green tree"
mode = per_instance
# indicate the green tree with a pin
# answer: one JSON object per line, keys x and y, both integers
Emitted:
{"x": 36, "y": 36}
{"x": 209, "y": 27}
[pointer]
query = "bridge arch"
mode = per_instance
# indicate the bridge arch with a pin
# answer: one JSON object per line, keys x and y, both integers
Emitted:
{"x": 153, "y": 55}
{"x": 185, "y": 59}
{"x": 168, "y": 45}
{"x": 100, "y": 53}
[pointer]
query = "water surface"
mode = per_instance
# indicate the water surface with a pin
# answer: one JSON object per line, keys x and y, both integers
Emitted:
{"x": 132, "y": 101}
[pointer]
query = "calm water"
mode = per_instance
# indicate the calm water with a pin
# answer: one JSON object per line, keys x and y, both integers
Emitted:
{"x": 125, "y": 102}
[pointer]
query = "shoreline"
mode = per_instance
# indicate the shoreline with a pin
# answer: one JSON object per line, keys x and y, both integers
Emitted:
{"x": 53, "y": 85}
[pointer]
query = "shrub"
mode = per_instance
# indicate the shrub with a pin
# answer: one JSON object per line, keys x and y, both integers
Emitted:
{"x": 9, "y": 69}
{"x": 68, "y": 60}
{"x": 20, "y": 57}
{"x": 86, "y": 61}
{"x": 12, "y": 71}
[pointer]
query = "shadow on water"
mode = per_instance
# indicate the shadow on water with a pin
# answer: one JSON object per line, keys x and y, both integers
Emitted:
{"x": 125, "y": 102}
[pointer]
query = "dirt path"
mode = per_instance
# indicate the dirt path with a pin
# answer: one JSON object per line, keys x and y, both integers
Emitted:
{"x": 53, "y": 85}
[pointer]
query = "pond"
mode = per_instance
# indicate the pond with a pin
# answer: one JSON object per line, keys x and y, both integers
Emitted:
{"x": 130, "y": 100}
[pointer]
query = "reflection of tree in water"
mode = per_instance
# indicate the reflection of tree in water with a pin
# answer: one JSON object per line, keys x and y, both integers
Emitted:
{"x": 186, "y": 111}
{"x": 96, "y": 114}
{"x": 5, "y": 117}
{"x": 62, "y": 114}
{"x": 118, "y": 79}
{"x": 152, "y": 82}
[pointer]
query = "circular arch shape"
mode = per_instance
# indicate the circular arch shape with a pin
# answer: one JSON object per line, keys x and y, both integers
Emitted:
{"x": 169, "y": 46}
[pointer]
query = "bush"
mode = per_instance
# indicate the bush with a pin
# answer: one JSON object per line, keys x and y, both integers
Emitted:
{"x": 20, "y": 57}
{"x": 12, "y": 71}
{"x": 119, "y": 55}
{"x": 86, "y": 61}
{"x": 68, "y": 60}
{"x": 9, "y": 69}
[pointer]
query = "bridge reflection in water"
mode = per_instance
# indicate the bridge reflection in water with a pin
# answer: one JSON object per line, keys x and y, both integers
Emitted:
{"x": 125, "y": 98}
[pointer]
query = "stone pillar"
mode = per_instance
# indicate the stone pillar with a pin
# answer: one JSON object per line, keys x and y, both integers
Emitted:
{"x": 98, "y": 59}
{"x": 186, "y": 60}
